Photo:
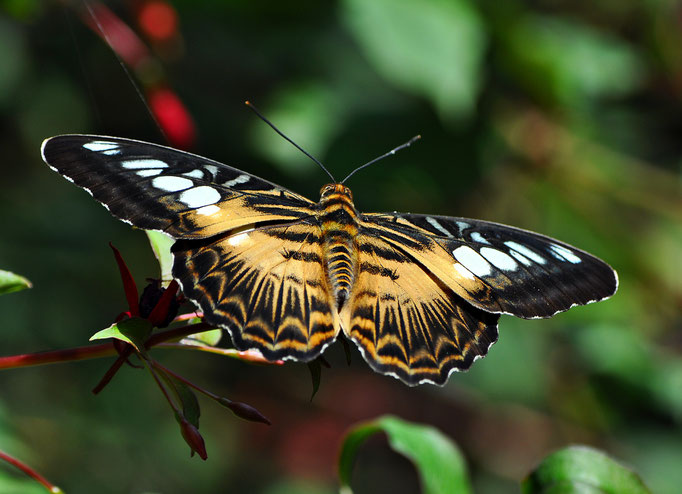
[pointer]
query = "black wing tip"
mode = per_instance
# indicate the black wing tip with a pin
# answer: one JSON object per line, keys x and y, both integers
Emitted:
{"x": 602, "y": 286}
{"x": 45, "y": 143}
{"x": 49, "y": 144}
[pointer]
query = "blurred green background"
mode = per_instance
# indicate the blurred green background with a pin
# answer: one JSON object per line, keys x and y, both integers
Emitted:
{"x": 559, "y": 117}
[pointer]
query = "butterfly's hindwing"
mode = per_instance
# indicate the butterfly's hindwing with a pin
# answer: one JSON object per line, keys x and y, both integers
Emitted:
{"x": 266, "y": 286}
{"x": 407, "y": 322}
{"x": 499, "y": 268}
{"x": 159, "y": 188}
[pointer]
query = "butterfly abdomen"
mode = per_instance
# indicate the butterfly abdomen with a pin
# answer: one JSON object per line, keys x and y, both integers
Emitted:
{"x": 339, "y": 221}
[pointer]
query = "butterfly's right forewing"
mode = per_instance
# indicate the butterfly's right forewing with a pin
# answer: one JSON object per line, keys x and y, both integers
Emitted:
{"x": 499, "y": 268}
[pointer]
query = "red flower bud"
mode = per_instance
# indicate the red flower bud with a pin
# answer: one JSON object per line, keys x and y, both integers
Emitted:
{"x": 192, "y": 437}
{"x": 242, "y": 410}
{"x": 160, "y": 305}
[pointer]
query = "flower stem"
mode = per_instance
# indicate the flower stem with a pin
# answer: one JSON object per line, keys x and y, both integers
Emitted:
{"x": 30, "y": 472}
{"x": 189, "y": 383}
{"x": 93, "y": 351}
{"x": 56, "y": 356}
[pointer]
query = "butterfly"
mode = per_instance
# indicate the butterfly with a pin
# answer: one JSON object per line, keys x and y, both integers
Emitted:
{"x": 420, "y": 295}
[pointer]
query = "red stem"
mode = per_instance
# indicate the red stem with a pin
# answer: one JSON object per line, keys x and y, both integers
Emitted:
{"x": 92, "y": 351}
{"x": 111, "y": 371}
{"x": 177, "y": 333}
{"x": 29, "y": 471}
{"x": 176, "y": 409}
{"x": 55, "y": 356}
{"x": 184, "y": 380}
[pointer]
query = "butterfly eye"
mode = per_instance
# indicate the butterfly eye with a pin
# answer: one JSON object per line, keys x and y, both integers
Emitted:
{"x": 326, "y": 189}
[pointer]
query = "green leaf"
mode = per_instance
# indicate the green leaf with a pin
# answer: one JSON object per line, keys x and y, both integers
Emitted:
{"x": 13, "y": 484}
{"x": 10, "y": 282}
{"x": 134, "y": 330}
{"x": 210, "y": 338}
{"x": 580, "y": 469}
{"x": 315, "y": 368}
{"x": 190, "y": 405}
{"x": 440, "y": 465}
{"x": 346, "y": 350}
{"x": 161, "y": 245}
{"x": 434, "y": 49}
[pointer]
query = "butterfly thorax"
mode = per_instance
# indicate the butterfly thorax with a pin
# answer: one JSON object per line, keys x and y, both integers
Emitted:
{"x": 339, "y": 221}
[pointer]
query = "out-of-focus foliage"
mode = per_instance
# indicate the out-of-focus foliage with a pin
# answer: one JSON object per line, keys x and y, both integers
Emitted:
{"x": 559, "y": 117}
{"x": 581, "y": 469}
{"x": 396, "y": 35}
{"x": 440, "y": 465}
{"x": 442, "y": 469}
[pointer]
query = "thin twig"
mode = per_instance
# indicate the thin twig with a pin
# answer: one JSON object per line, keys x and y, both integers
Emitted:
{"x": 30, "y": 472}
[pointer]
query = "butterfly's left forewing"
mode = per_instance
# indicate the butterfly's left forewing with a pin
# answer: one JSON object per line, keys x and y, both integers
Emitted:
{"x": 498, "y": 268}
{"x": 158, "y": 188}
{"x": 248, "y": 252}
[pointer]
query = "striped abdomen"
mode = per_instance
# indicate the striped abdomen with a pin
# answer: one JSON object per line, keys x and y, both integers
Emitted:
{"x": 338, "y": 219}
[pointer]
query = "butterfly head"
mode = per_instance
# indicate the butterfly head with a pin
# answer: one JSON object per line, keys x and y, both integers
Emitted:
{"x": 335, "y": 191}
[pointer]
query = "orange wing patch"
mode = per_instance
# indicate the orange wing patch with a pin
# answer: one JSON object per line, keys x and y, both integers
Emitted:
{"x": 235, "y": 210}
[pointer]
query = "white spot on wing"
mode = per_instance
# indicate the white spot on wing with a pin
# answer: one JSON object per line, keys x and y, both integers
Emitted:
{"x": 143, "y": 163}
{"x": 434, "y": 223}
{"x": 238, "y": 239}
{"x": 240, "y": 179}
{"x": 472, "y": 260}
{"x": 522, "y": 249}
{"x": 150, "y": 172}
{"x": 563, "y": 254}
{"x": 208, "y": 210}
{"x": 194, "y": 174}
{"x": 499, "y": 259}
{"x": 464, "y": 271}
{"x": 101, "y": 146}
{"x": 520, "y": 258}
{"x": 463, "y": 225}
{"x": 477, "y": 237}
{"x": 170, "y": 183}
{"x": 199, "y": 197}
{"x": 212, "y": 169}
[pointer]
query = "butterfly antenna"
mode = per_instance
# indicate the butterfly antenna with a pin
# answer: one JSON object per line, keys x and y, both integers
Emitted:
{"x": 111, "y": 43}
{"x": 262, "y": 117}
{"x": 391, "y": 152}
